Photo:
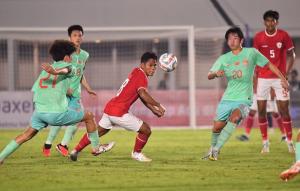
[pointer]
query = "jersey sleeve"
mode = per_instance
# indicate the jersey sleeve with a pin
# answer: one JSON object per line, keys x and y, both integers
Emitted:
{"x": 259, "y": 59}
{"x": 288, "y": 43}
{"x": 218, "y": 65}
{"x": 141, "y": 81}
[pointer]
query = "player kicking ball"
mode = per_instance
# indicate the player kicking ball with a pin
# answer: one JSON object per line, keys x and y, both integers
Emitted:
{"x": 116, "y": 111}
{"x": 238, "y": 67}
{"x": 50, "y": 100}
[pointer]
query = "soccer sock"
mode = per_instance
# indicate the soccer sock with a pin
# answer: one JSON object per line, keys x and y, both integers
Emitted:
{"x": 287, "y": 125}
{"x": 225, "y": 135}
{"x": 52, "y": 134}
{"x": 69, "y": 133}
{"x": 214, "y": 138}
{"x": 140, "y": 142}
{"x": 279, "y": 123}
{"x": 9, "y": 149}
{"x": 297, "y": 152}
{"x": 249, "y": 125}
{"x": 94, "y": 138}
{"x": 84, "y": 141}
{"x": 263, "y": 125}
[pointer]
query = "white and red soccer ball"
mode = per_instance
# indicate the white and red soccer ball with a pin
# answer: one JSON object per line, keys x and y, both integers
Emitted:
{"x": 167, "y": 62}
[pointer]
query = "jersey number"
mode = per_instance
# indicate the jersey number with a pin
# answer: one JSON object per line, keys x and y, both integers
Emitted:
{"x": 272, "y": 53}
{"x": 237, "y": 74}
{"x": 47, "y": 78}
{"x": 122, "y": 86}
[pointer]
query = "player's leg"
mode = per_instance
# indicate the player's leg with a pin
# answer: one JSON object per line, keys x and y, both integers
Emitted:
{"x": 249, "y": 125}
{"x": 16, "y": 143}
{"x": 295, "y": 168}
{"x": 278, "y": 119}
{"x": 283, "y": 103}
{"x": 53, "y": 132}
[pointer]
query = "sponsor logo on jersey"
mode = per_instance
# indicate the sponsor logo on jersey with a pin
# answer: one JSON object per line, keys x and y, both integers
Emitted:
{"x": 245, "y": 62}
{"x": 237, "y": 63}
{"x": 265, "y": 46}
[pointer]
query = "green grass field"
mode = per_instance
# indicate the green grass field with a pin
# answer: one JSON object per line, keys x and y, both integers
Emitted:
{"x": 176, "y": 165}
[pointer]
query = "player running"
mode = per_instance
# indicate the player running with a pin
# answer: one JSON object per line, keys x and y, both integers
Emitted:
{"x": 116, "y": 111}
{"x": 277, "y": 46}
{"x": 238, "y": 67}
{"x": 51, "y": 104}
{"x": 79, "y": 59}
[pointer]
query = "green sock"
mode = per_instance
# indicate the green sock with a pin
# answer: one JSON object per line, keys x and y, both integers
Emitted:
{"x": 10, "y": 148}
{"x": 214, "y": 138}
{"x": 69, "y": 133}
{"x": 297, "y": 151}
{"x": 54, "y": 130}
{"x": 225, "y": 134}
{"x": 94, "y": 138}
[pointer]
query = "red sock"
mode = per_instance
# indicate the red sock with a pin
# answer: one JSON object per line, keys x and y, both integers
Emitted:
{"x": 140, "y": 142}
{"x": 263, "y": 125}
{"x": 287, "y": 125}
{"x": 84, "y": 141}
{"x": 249, "y": 124}
{"x": 279, "y": 123}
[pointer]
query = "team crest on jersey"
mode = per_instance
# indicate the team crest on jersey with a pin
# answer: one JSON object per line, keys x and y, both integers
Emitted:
{"x": 245, "y": 62}
{"x": 279, "y": 44}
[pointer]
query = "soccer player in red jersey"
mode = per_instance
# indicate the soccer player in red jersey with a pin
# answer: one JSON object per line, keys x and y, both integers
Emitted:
{"x": 278, "y": 47}
{"x": 116, "y": 111}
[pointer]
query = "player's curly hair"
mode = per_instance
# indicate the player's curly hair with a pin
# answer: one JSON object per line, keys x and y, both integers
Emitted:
{"x": 148, "y": 55}
{"x": 271, "y": 14}
{"x": 235, "y": 30}
{"x": 74, "y": 28}
{"x": 61, "y": 48}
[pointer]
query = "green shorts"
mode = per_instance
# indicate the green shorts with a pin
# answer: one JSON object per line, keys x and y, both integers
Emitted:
{"x": 41, "y": 120}
{"x": 226, "y": 107}
{"x": 74, "y": 103}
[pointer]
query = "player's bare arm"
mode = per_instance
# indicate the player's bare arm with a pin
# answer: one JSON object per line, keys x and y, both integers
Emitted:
{"x": 86, "y": 85}
{"x": 213, "y": 75}
{"x": 290, "y": 60}
{"x": 153, "y": 105}
{"x": 59, "y": 71}
{"x": 275, "y": 70}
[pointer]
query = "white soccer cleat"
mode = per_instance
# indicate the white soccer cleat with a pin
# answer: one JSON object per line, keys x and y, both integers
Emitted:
{"x": 291, "y": 147}
{"x": 103, "y": 148}
{"x": 291, "y": 172}
{"x": 74, "y": 155}
{"x": 140, "y": 157}
{"x": 266, "y": 147}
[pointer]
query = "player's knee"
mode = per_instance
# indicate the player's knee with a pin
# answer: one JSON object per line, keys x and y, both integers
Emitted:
{"x": 235, "y": 119}
{"x": 89, "y": 115}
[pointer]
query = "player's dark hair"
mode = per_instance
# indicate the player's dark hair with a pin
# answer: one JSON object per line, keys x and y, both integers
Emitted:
{"x": 148, "y": 55}
{"x": 271, "y": 14}
{"x": 235, "y": 30}
{"x": 61, "y": 48}
{"x": 74, "y": 28}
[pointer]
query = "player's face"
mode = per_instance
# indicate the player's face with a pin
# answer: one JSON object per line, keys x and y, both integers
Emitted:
{"x": 76, "y": 37}
{"x": 270, "y": 24}
{"x": 234, "y": 42}
{"x": 149, "y": 67}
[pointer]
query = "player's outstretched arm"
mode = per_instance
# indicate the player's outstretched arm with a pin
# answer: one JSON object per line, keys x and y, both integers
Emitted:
{"x": 58, "y": 71}
{"x": 290, "y": 60}
{"x": 149, "y": 102}
{"x": 86, "y": 85}
{"x": 217, "y": 74}
{"x": 275, "y": 70}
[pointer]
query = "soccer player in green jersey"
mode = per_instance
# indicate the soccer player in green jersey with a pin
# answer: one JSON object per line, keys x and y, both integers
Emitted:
{"x": 79, "y": 59}
{"x": 50, "y": 100}
{"x": 238, "y": 67}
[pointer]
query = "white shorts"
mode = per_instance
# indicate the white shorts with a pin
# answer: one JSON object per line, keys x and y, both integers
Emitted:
{"x": 127, "y": 121}
{"x": 264, "y": 88}
{"x": 271, "y": 104}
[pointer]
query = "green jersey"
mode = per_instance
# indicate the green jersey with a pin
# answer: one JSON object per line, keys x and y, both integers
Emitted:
{"x": 50, "y": 91}
{"x": 78, "y": 61}
{"x": 239, "y": 71}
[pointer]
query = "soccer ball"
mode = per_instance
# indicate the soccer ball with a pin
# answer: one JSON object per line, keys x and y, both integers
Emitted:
{"x": 167, "y": 62}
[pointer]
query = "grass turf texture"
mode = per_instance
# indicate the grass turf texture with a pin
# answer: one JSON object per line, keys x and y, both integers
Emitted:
{"x": 176, "y": 164}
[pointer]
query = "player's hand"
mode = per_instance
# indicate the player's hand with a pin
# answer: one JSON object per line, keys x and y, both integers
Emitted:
{"x": 70, "y": 91}
{"x": 91, "y": 92}
{"x": 220, "y": 73}
{"x": 285, "y": 84}
{"x": 48, "y": 68}
{"x": 159, "y": 110}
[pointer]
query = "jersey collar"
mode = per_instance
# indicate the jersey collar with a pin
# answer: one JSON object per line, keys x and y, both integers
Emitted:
{"x": 143, "y": 72}
{"x": 270, "y": 35}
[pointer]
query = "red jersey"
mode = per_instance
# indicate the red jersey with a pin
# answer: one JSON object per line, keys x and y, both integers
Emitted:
{"x": 127, "y": 94}
{"x": 274, "y": 47}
